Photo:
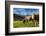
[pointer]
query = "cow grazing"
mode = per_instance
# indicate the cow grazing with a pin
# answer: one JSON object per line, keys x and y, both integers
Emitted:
{"x": 26, "y": 19}
{"x": 29, "y": 18}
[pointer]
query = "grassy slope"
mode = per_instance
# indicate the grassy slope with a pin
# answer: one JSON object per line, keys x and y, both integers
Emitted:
{"x": 26, "y": 24}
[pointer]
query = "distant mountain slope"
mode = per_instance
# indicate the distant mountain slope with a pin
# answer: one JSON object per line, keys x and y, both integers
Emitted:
{"x": 18, "y": 17}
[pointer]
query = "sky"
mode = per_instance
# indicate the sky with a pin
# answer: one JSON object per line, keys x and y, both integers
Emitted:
{"x": 25, "y": 11}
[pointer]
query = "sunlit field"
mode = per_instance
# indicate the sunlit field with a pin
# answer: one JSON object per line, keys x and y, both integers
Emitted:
{"x": 31, "y": 23}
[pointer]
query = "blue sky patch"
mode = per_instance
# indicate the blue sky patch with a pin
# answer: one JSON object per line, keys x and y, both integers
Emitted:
{"x": 25, "y": 11}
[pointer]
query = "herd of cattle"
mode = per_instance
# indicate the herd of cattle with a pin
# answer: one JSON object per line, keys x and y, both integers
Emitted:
{"x": 29, "y": 18}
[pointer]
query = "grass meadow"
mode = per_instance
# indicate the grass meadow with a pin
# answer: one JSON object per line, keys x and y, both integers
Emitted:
{"x": 19, "y": 23}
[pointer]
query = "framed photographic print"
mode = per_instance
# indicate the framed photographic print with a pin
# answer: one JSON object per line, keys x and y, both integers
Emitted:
{"x": 24, "y": 17}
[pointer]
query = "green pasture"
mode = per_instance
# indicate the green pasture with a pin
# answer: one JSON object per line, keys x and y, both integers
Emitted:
{"x": 19, "y": 23}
